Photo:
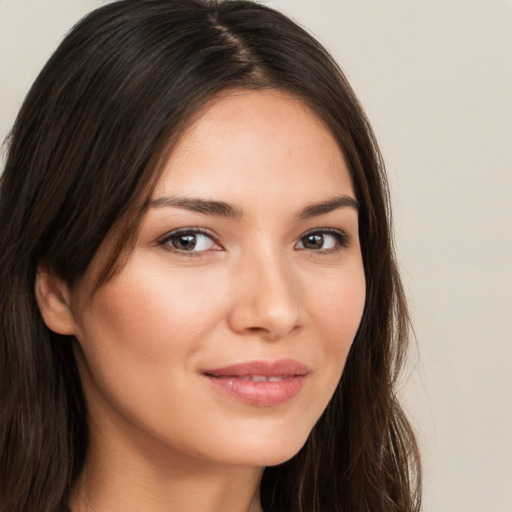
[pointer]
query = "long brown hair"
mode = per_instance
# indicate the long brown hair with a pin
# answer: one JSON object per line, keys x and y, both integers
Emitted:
{"x": 84, "y": 154}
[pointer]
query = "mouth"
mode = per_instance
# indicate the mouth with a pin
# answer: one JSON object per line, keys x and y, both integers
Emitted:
{"x": 260, "y": 383}
{"x": 256, "y": 378}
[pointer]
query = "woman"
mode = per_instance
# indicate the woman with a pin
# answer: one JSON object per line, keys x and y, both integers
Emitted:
{"x": 200, "y": 307}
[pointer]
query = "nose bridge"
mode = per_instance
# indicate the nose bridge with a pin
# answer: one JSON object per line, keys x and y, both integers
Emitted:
{"x": 266, "y": 301}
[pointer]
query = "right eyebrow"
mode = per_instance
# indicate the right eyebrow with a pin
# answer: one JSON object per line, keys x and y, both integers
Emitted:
{"x": 217, "y": 208}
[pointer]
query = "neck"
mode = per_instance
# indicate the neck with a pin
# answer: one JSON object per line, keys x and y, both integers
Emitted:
{"x": 127, "y": 473}
{"x": 129, "y": 487}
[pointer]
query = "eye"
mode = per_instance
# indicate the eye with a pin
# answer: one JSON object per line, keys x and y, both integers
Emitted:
{"x": 323, "y": 240}
{"x": 188, "y": 241}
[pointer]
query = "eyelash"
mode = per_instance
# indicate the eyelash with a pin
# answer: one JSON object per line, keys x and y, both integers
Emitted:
{"x": 164, "y": 242}
{"x": 342, "y": 240}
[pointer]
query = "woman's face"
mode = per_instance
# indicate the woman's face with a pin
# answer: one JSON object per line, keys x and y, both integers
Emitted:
{"x": 225, "y": 335}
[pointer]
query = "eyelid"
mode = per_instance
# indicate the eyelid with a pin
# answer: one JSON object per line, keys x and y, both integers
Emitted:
{"x": 342, "y": 237}
{"x": 162, "y": 241}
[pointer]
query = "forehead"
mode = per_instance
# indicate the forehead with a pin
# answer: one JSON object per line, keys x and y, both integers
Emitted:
{"x": 243, "y": 143}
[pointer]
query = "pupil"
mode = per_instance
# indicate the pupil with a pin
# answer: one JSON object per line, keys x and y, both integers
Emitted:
{"x": 184, "y": 242}
{"x": 314, "y": 241}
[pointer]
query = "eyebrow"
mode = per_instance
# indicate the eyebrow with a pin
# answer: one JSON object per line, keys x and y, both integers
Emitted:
{"x": 323, "y": 207}
{"x": 222, "y": 209}
{"x": 217, "y": 208}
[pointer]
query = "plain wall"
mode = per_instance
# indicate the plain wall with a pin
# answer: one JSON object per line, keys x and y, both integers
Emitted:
{"x": 435, "y": 78}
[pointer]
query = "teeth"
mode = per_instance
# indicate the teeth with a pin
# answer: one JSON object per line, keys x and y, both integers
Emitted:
{"x": 262, "y": 378}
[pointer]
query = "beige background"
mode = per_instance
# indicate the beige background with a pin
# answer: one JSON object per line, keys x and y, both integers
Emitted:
{"x": 435, "y": 77}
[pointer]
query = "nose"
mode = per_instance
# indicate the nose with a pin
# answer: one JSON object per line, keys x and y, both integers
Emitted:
{"x": 266, "y": 301}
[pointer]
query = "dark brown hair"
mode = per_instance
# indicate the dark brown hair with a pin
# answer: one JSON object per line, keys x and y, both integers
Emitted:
{"x": 84, "y": 154}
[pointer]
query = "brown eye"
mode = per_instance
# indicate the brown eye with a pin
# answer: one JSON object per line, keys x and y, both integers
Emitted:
{"x": 184, "y": 242}
{"x": 313, "y": 241}
{"x": 188, "y": 241}
{"x": 323, "y": 241}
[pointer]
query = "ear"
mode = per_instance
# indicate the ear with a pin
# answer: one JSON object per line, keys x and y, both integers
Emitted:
{"x": 54, "y": 300}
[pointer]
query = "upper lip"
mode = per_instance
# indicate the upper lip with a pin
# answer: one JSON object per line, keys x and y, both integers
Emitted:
{"x": 278, "y": 368}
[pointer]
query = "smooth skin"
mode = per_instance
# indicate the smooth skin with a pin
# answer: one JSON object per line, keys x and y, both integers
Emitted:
{"x": 249, "y": 251}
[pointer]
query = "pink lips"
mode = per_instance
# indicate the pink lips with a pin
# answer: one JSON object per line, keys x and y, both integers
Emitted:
{"x": 260, "y": 383}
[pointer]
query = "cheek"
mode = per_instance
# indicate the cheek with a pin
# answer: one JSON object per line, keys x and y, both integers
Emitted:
{"x": 142, "y": 336}
{"x": 153, "y": 315}
{"x": 338, "y": 310}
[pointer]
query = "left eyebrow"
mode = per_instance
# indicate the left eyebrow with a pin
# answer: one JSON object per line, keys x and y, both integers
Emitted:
{"x": 316, "y": 209}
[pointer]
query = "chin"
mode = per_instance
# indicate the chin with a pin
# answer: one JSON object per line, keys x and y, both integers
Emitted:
{"x": 258, "y": 450}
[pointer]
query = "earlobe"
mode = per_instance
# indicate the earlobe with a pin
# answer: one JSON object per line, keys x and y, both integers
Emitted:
{"x": 54, "y": 301}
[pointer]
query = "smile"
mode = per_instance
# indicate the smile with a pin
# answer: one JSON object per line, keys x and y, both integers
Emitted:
{"x": 262, "y": 378}
{"x": 260, "y": 383}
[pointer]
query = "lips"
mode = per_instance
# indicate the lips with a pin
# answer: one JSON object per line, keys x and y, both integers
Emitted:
{"x": 260, "y": 383}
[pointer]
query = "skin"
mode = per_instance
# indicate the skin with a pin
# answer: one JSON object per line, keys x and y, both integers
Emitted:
{"x": 254, "y": 288}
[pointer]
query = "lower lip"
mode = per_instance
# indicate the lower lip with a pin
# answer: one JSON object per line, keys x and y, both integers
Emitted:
{"x": 259, "y": 394}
